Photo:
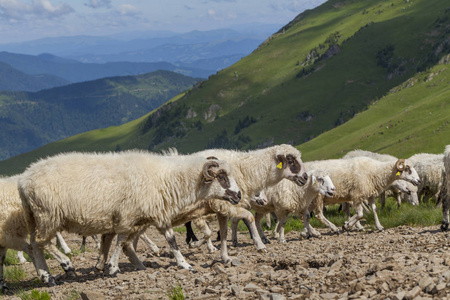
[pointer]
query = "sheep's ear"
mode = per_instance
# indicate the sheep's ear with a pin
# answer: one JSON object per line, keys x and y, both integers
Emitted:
{"x": 281, "y": 161}
{"x": 313, "y": 179}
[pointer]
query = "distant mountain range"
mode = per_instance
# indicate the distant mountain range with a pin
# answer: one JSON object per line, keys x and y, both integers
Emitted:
{"x": 30, "y": 120}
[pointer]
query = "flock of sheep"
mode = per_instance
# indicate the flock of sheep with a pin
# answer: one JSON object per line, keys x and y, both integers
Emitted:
{"x": 122, "y": 194}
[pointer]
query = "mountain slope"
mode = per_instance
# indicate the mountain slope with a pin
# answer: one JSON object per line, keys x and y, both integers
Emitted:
{"x": 14, "y": 80}
{"x": 316, "y": 73}
{"x": 30, "y": 120}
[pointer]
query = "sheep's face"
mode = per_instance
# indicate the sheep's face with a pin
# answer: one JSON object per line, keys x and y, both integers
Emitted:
{"x": 409, "y": 191}
{"x": 292, "y": 168}
{"x": 324, "y": 185}
{"x": 221, "y": 184}
{"x": 406, "y": 172}
{"x": 260, "y": 198}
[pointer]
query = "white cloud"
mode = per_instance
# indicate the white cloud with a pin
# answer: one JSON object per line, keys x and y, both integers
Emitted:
{"x": 13, "y": 10}
{"x": 127, "y": 10}
{"x": 98, "y": 3}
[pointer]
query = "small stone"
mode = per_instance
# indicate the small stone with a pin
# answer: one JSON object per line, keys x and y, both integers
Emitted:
{"x": 210, "y": 290}
{"x": 400, "y": 295}
{"x": 235, "y": 262}
{"x": 424, "y": 282}
{"x": 276, "y": 289}
{"x": 200, "y": 281}
{"x": 235, "y": 289}
{"x": 251, "y": 287}
{"x": 329, "y": 296}
{"x": 413, "y": 293}
{"x": 276, "y": 296}
{"x": 92, "y": 295}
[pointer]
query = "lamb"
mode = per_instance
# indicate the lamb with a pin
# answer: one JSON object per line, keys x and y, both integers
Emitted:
{"x": 286, "y": 197}
{"x": 446, "y": 199}
{"x": 120, "y": 193}
{"x": 358, "y": 179}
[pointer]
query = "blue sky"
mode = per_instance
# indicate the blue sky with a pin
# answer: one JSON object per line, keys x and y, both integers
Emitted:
{"x": 22, "y": 20}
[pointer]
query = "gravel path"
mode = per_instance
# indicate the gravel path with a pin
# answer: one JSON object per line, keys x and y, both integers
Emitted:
{"x": 398, "y": 263}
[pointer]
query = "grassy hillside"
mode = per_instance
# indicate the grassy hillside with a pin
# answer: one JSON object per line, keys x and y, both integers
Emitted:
{"x": 316, "y": 73}
{"x": 30, "y": 120}
{"x": 414, "y": 117}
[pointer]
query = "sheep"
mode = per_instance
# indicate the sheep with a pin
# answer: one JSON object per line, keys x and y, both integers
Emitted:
{"x": 120, "y": 193}
{"x": 253, "y": 170}
{"x": 259, "y": 198}
{"x": 287, "y": 197}
{"x": 446, "y": 198}
{"x": 13, "y": 227}
{"x": 430, "y": 168}
{"x": 408, "y": 190}
{"x": 358, "y": 179}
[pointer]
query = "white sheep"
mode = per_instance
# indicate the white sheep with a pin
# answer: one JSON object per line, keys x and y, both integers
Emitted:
{"x": 430, "y": 168}
{"x": 358, "y": 179}
{"x": 120, "y": 193}
{"x": 13, "y": 227}
{"x": 287, "y": 198}
{"x": 253, "y": 170}
{"x": 446, "y": 198}
{"x": 407, "y": 190}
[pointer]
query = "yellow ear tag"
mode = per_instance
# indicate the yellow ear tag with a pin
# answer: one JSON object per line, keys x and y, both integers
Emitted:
{"x": 280, "y": 165}
{"x": 398, "y": 174}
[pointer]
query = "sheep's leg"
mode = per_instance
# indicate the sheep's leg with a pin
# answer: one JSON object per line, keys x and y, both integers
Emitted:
{"x": 62, "y": 243}
{"x": 445, "y": 212}
{"x": 39, "y": 260}
{"x": 399, "y": 200}
{"x": 234, "y": 230}
{"x": 2, "y": 261}
{"x": 242, "y": 213}
{"x": 276, "y": 230}
{"x": 223, "y": 228}
{"x": 113, "y": 264}
{"x": 375, "y": 215}
{"x": 318, "y": 208}
{"x": 63, "y": 260}
{"x": 308, "y": 230}
{"x": 20, "y": 257}
{"x": 353, "y": 220}
{"x": 383, "y": 199}
{"x": 282, "y": 217}
{"x": 95, "y": 238}
{"x": 149, "y": 243}
{"x": 83, "y": 244}
{"x": 190, "y": 235}
{"x": 105, "y": 245}
{"x": 258, "y": 217}
{"x": 170, "y": 238}
{"x": 130, "y": 252}
{"x": 268, "y": 220}
{"x": 203, "y": 226}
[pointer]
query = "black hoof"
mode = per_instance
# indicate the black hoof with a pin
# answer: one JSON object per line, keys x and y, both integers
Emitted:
{"x": 444, "y": 226}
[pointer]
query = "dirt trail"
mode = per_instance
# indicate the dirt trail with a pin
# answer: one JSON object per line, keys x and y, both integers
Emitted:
{"x": 399, "y": 263}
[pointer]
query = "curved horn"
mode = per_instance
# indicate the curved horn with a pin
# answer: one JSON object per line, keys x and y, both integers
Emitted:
{"x": 206, "y": 168}
{"x": 400, "y": 165}
{"x": 212, "y": 157}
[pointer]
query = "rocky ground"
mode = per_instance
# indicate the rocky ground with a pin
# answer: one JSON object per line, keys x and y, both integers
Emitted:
{"x": 399, "y": 263}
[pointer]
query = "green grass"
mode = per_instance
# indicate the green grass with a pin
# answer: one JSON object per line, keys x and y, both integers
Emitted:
{"x": 176, "y": 293}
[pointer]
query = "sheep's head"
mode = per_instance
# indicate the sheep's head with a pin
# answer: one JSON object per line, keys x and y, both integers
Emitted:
{"x": 217, "y": 174}
{"x": 292, "y": 168}
{"x": 406, "y": 172}
{"x": 323, "y": 185}
{"x": 260, "y": 198}
{"x": 408, "y": 190}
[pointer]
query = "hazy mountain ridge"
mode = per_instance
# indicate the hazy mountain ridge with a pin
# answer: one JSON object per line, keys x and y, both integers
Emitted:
{"x": 30, "y": 120}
